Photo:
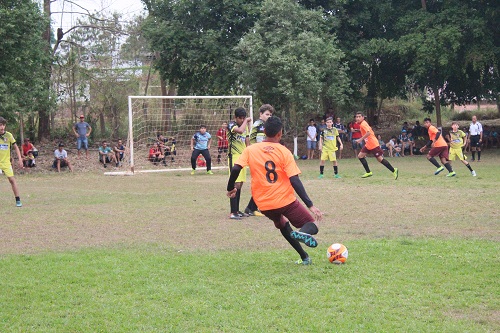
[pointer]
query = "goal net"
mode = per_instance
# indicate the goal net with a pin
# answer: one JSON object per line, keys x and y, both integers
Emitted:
{"x": 170, "y": 122}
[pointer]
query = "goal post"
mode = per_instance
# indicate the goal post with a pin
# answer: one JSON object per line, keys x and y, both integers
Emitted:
{"x": 174, "y": 120}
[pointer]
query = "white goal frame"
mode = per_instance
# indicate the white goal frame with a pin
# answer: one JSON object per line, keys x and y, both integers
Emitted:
{"x": 130, "y": 139}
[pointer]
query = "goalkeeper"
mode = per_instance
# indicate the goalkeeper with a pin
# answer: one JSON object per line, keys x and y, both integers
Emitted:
{"x": 274, "y": 180}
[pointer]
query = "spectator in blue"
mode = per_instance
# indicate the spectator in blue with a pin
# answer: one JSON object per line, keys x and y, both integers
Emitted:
{"x": 200, "y": 144}
{"x": 106, "y": 154}
{"x": 82, "y": 131}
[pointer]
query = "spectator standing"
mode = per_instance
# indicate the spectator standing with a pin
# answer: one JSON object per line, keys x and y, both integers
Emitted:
{"x": 61, "y": 159}
{"x": 311, "y": 132}
{"x": 418, "y": 131}
{"x": 342, "y": 133}
{"x": 355, "y": 136}
{"x": 475, "y": 138}
{"x": 200, "y": 144}
{"x": 106, "y": 154}
{"x": 119, "y": 150}
{"x": 7, "y": 141}
{"x": 222, "y": 143}
{"x": 28, "y": 153}
{"x": 82, "y": 131}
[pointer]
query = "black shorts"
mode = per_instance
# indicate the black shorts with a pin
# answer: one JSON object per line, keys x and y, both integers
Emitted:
{"x": 474, "y": 141}
{"x": 107, "y": 159}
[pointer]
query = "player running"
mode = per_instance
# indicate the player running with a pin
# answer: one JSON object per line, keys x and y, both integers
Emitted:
{"x": 439, "y": 148}
{"x": 275, "y": 177}
{"x": 456, "y": 145}
{"x": 6, "y": 142}
{"x": 328, "y": 146}
{"x": 371, "y": 146}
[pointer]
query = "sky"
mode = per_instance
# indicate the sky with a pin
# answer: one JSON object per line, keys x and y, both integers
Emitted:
{"x": 65, "y": 20}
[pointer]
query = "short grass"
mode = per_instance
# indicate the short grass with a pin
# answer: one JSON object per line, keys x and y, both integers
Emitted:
{"x": 157, "y": 253}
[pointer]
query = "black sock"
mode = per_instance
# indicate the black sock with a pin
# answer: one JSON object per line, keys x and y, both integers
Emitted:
{"x": 335, "y": 169}
{"x": 447, "y": 165}
{"x": 321, "y": 169}
{"x": 469, "y": 167}
{"x": 365, "y": 164}
{"x": 433, "y": 161}
{"x": 251, "y": 205}
{"x": 387, "y": 165}
{"x": 473, "y": 155}
{"x": 234, "y": 204}
{"x": 309, "y": 228}
{"x": 479, "y": 155}
{"x": 238, "y": 196}
{"x": 286, "y": 231}
{"x": 18, "y": 199}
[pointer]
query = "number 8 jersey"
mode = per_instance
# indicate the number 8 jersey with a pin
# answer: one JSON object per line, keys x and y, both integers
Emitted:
{"x": 271, "y": 166}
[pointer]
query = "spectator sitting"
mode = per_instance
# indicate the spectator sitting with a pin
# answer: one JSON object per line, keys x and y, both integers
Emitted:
{"x": 170, "y": 149}
{"x": 106, "y": 154}
{"x": 494, "y": 138}
{"x": 119, "y": 150}
{"x": 407, "y": 143}
{"x": 61, "y": 159}
{"x": 394, "y": 147}
{"x": 418, "y": 131}
{"x": 486, "y": 136}
{"x": 29, "y": 154}
{"x": 381, "y": 143}
{"x": 155, "y": 155}
{"x": 405, "y": 127}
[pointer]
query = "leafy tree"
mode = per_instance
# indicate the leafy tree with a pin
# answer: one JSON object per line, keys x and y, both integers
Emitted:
{"x": 194, "y": 41}
{"x": 24, "y": 59}
{"x": 290, "y": 59}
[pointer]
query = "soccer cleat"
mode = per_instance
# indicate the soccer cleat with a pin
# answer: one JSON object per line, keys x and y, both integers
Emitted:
{"x": 193, "y": 171}
{"x": 18, "y": 203}
{"x": 396, "y": 173}
{"x": 234, "y": 217}
{"x": 302, "y": 237}
{"x": 254, "y": 213}
{"x": 209, "y": 172}
{"x": 368, "y": 174}
{"x": 473, "y": 173}
{"x": 320, "y": 176}
{"x": 241, "y": 214}
{"x": 306, "y": 261}
{"x": 337, "y": 176}
{"x": 451, "y": 174}
{"x": 438, "y": 170}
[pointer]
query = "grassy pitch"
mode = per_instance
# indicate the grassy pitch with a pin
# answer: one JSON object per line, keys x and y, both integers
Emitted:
{"x": 157, "y": 253}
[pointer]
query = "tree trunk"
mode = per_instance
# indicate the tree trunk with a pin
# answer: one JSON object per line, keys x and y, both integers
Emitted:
{"x": 424, "y": 5}
{"x": 371, "y": 99}
{"x": 43, "y": 113}
{"x": 437, "y": 104}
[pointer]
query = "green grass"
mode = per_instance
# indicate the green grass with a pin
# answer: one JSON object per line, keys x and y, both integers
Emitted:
{"x": 157, "y": 253}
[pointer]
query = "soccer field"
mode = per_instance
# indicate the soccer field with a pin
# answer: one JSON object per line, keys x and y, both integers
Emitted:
{"x": 157, "y": 253}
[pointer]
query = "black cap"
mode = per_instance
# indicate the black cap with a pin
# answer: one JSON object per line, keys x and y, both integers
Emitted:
{"x": 61, "y": 144}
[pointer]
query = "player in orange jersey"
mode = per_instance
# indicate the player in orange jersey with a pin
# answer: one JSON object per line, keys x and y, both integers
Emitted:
{"x": 371, "y": 146}
{"x": 439, "y": 148}
{"x": 275, "y": 177}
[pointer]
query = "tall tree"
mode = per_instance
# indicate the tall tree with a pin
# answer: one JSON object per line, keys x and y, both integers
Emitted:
{"x": 290, "y": 59}
{"x": 23, "y": 79}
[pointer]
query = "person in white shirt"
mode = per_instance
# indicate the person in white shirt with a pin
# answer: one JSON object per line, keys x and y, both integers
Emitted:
{"x": 475, "y": 138}
{"x": 61, "y": 159}
{"x": 311, "y": 132}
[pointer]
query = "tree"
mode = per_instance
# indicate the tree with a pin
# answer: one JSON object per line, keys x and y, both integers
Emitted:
{"x": 290, "y": 59}
{"x": 442, "y": 43}
{"x": 23, "y": 76}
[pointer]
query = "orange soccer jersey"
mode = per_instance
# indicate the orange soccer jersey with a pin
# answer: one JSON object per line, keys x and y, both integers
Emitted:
{"x": 371, "y": 141}
{"x": 271, "y": 166}
{"x": 432, "y": 135}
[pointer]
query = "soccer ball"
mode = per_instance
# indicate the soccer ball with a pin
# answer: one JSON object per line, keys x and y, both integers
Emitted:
{"x": 337, "y": 253}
